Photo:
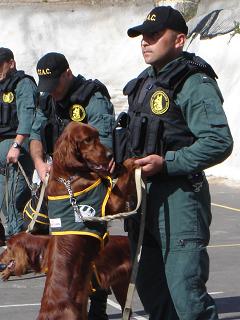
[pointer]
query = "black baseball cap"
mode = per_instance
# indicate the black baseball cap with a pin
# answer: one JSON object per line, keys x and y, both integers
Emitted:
{"x": 160, "y": 18}
{"x": 5, "y": 54}
{"x": 49, "y": 69}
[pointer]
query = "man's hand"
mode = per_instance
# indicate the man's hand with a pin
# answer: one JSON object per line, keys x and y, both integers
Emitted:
{"x": 42, "y": 168}
{"x": 151, "y": 164}
{"x": 13, "y": 155}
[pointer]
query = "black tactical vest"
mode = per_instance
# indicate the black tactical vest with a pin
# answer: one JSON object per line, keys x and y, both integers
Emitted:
{"x": 8, "y": 109}
{"x": 156, "y": 124}
{"x": 71, "y": 108}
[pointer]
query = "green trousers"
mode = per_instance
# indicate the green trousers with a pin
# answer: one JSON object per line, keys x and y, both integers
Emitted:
{"x": 13, "y": 183}
{"x": 174, "y": 265}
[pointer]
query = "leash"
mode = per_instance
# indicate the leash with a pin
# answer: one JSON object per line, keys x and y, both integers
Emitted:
{"x": 122, "y": 215}
{"x": 39, "y": 204}
{"x": 25, "y": 176}
{"x": 6, "y": 195}
{"x": 72, "y": 199}
{"x": 141, "y": 201}
{"x": 131, "y": 288}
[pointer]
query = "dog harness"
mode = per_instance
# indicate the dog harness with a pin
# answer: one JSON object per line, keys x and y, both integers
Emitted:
{"x": 90, "y": 202}
{"x": 31, "y": 212}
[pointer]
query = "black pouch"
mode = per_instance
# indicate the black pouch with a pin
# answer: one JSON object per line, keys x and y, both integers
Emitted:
{"x": 121, "y": 138}
{"x": 5, "y": 114}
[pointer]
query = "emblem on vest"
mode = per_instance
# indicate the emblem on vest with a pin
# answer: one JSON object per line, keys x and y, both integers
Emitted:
{"x": 84, "y": 211}
{"x": 8, "y": 97}
{"x": 159, "y": 102}
{"x": 77, "y": 113}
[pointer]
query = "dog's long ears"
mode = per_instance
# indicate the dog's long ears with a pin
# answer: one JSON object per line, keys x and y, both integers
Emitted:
{"x": 66, "y": 155}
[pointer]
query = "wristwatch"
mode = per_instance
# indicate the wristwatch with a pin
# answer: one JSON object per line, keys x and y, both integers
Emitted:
{"x": 16, "y": 145}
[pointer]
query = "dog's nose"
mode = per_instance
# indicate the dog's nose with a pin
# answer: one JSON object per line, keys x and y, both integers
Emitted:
{"x": 109, "y": 155}
{"x": 3, "y": 266}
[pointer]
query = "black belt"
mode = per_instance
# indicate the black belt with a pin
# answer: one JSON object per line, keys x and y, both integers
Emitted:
{"x": 192, "y": 178}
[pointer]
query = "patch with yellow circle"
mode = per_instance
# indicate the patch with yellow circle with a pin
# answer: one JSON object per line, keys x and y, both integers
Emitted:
{"x": 8, "y": 97}
{"x": 159, "y": 102}
{"x": 77, "y": 112}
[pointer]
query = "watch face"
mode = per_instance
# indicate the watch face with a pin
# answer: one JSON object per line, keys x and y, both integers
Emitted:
{"x": 16, "y": 145}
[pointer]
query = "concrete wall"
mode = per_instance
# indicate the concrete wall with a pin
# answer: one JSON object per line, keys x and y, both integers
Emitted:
{"x": 85, "y": 2}
{"x": 93, "y": 36}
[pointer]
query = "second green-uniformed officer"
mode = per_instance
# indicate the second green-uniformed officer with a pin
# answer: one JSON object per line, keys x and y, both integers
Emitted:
{"x": 178, "y": 126}
{"x": 64, "y": 98}
{"x": 17, "y": 108}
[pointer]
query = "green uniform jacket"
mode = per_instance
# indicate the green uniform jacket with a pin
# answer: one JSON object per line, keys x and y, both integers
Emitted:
{"x": 176, "y": 209}
{"x": 26, "y": 93}
{"x": 100, "y": 114}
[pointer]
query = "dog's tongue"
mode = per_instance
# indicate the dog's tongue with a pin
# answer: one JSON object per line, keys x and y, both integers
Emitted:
{"x": 11, "y": 265}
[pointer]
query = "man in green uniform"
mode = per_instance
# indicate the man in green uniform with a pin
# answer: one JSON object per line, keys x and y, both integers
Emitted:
{"x": 17, "y": 108}
{"x": 178, "y": 128}
{"x": 64, "y": 98}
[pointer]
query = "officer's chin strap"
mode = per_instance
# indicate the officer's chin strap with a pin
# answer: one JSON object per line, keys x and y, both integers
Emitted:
{"x": 131, "y": 287}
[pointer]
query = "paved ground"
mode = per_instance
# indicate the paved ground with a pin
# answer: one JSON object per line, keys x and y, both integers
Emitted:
{"x": 20, "y": 297}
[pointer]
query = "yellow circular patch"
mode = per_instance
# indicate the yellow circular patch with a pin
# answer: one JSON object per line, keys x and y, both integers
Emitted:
{"x": 159, "y": 102}
{"x": 8, "y": 97}
{"x": 77, "y": 113}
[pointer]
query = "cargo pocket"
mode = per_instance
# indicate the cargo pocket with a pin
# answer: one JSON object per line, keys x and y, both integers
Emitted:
{"x": 215, "y": 115}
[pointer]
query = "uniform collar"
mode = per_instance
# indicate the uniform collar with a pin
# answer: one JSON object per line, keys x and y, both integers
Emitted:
{"x": 152, "y": 72}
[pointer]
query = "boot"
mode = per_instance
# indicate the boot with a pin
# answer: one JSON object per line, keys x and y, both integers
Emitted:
{"x": 98, "y": 305}
{"x": 2, "y": 235}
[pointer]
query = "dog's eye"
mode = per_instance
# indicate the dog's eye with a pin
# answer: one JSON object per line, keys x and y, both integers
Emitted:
{"x": 88, "y": 140}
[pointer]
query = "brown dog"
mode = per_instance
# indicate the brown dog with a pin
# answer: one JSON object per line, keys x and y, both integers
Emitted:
{"x": 30, "y": 252}
{"x": 80, "y": 160}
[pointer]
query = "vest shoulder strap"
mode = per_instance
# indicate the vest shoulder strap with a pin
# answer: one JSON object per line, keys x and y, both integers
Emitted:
{"x": 19, "y": 76}
{"x": 181, "y": 70}
{"x": 12, "y": 81}
{"x": 45, "y": 104}
{"x": 133, "y": 84}
{"x": 83, "y": 94}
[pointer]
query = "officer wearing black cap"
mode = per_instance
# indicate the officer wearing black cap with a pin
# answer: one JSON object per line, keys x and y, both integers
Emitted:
{"x": 17, "y": 108}
{"x": 177, "y": 127}
{"x": 64, "y": 98}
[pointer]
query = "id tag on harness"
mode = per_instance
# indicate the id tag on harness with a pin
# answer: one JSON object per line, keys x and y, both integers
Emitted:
{"x": 84, "y": 211}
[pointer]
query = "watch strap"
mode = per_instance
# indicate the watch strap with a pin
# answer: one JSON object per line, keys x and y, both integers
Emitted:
{"x": 16, "y": 145}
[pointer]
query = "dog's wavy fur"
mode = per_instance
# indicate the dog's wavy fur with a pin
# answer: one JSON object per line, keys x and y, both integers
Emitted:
{"x": 30, "y": 253}
{"x": 79, "y": 153}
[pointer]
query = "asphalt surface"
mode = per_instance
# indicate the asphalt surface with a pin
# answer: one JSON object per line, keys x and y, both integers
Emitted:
{"x": 20, "y": 296}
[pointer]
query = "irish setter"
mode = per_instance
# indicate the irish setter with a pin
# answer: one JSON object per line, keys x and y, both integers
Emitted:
{"x": 27, "y": 252}
{"x": 80, "y": 155}
{"x": 24, "y": 252}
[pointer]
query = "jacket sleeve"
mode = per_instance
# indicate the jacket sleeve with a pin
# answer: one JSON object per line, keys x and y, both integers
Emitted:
{"x": 26, "y": 93}
{"x": 100, "y": 114}
{"x": 38, "y": 120}
{"x": 201, "y": 102}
